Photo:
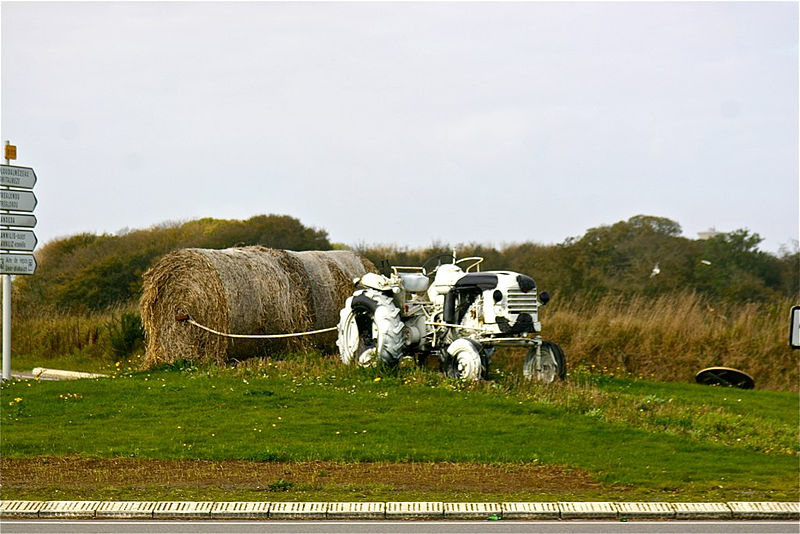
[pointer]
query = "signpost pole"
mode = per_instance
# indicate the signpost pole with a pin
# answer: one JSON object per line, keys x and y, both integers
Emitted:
{"x": 17, "y": 203}
{"x": 6, "y": 327}
{"x": 7, "y": 310}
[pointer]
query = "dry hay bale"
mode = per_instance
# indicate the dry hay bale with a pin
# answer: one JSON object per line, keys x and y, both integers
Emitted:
{"x": 249, "y": 290}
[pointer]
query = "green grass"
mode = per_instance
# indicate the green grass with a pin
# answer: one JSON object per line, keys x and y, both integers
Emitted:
{"x": 78, "y": 361}
{"x": 651, "y": 440}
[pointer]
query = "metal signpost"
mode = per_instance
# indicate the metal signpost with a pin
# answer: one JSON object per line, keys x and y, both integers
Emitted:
{"x": 17, "y": 219}
{"x": 21, "y": 177}
{"x": 16, "y": 204}
{"x": 24, "y": 240}
{"x": 11, "y": 199}
{"x": 17, "y": 263}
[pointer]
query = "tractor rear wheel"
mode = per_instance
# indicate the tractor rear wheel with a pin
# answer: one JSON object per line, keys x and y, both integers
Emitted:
{"x": 370, "y": 330}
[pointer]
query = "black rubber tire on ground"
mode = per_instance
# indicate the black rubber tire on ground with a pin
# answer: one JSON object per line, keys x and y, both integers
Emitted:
{"x": 464, "y": 360}
{"x": 486, "y": 360}
{"x": 554, "y": 364}
{"x": 370, "y": 330}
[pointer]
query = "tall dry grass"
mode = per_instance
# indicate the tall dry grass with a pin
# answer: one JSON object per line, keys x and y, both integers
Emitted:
{"x": 672, "y": 337}
{"x": 52, "y": 335}
{"x": 59, "y": 333}
{"x": 666, "y": 338}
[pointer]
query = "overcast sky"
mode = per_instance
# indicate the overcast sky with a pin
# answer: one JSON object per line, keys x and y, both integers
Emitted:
{"x": 407, "y": 123}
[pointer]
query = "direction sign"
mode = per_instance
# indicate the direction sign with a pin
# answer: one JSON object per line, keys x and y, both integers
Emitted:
{"x": 17, "y": 200}
{"x": 24, "y": 240}
{"x": 17, "y": 219}
{"x": 17, "y": 264}
{"x": 13, "y": 176}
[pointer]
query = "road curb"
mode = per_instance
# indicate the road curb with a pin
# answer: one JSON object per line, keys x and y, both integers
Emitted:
{"x": 42, "y": 373}
{"x": 398, "y": 510}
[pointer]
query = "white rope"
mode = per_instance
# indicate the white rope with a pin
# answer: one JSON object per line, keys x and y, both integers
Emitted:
{"x": 455, "y": 326}
{"x": 298, "y": 334}
{"x": 258, "y": 336}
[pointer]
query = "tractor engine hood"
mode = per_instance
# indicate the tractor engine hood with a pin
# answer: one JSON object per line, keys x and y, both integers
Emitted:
{"x": 489, "y": 280}
{"x": 509, "y": 304}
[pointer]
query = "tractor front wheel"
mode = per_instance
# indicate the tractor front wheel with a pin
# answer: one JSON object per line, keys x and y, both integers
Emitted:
{"x": 464, "y": 360}
{"x": 546, "y": 364}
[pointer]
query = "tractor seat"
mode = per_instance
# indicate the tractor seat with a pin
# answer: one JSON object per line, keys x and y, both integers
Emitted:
{"x": 414, "y": 282}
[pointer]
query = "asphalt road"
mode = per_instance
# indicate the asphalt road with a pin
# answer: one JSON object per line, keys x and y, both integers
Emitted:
{"x": 396, "y": 527}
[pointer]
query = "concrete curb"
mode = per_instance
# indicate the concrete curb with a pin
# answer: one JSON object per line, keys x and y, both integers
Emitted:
{"x": 398, "y": 510}
{"x": 43, "y": 373}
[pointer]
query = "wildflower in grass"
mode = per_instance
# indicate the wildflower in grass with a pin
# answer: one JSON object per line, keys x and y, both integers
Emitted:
{"x": 377, "y": 379}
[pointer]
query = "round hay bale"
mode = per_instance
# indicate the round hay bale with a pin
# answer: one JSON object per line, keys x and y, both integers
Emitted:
{"x": 248, "y": 290}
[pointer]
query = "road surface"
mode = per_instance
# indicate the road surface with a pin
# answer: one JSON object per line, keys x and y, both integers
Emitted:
{"x": 395, "y": 527}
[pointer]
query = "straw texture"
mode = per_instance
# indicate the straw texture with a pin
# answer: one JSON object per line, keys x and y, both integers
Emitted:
{"x": 248, "y": 290}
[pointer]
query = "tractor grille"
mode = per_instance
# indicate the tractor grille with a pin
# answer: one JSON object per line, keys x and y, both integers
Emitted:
{"x": 519, "y": 302}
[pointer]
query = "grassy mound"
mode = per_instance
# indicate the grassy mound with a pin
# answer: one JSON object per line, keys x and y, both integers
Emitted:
{"x": 610, "y": 437}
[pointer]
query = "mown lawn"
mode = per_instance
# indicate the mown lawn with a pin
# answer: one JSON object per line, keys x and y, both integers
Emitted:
{"x": 636, "y": 439}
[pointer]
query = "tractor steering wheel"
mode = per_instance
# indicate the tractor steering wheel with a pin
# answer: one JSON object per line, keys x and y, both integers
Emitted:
{"x": 433, "y": 263}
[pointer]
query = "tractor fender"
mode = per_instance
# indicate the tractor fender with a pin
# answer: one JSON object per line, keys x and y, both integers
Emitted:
{"x": 363, "y": 302}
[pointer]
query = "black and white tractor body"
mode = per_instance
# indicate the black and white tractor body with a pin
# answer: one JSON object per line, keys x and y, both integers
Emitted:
{"x": 459, "y": 314}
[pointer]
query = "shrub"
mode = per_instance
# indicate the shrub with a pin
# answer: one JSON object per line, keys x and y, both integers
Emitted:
{"x": 125, "y": 335}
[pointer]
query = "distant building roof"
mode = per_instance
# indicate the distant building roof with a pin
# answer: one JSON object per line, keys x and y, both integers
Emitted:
{"x": 708, "y": 234}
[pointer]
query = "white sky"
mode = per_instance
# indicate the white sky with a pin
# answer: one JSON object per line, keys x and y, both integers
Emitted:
{"x": 407, "y": 123}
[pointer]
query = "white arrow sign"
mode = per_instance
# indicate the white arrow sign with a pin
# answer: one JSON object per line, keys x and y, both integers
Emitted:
{"x": 17, "y": 264}
{"x": 17, "y": 219}
{"x": 22, "y": 177}
{"x": 24, "y": 240}
{"x": 17, "y": 200}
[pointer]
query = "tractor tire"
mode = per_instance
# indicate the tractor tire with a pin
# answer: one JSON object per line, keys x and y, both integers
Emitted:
{"x": 464, "y": 360}
{"x": 370, "y": 330}
{"x": 552, "y": 366}
{"x": 486, "y": 360}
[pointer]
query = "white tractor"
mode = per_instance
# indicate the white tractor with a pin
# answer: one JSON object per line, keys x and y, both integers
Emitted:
{"x": 450, "y": 309}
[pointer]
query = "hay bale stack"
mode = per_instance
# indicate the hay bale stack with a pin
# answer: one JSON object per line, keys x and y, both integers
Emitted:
{"x": 249, "y": 290}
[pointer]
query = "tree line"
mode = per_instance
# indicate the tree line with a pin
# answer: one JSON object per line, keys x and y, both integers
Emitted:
{"x": 89, "y": 272}
{"x": 645, "y": 255}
